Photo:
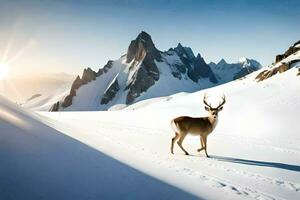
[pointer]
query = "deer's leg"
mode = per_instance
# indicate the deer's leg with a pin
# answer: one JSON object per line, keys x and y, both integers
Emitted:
{"x": 179, "y": 142}
{"x": 205, "y": 145}
{"x": 173, "y": 140}
{"x": 202, "y": 144}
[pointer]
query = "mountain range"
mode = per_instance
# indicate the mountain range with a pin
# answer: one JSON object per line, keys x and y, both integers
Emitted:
{"x": 145, "y": 72}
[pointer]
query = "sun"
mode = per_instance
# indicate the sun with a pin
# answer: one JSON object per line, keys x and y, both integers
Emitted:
{"x": 4, "y": 70}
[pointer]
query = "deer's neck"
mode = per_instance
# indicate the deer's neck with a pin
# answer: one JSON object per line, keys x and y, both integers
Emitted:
{"x": 213, "y": 121}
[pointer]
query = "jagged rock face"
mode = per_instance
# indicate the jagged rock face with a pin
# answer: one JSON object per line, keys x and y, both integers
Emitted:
{"x": 290, "y": 51}
{"x": 111, "y": 92}
{"x": 55, "y": 107}
{"x": 201, "y": 70}
{"x": 76, "y": 84}
{"x": 142, "y": 50}
{"x": 269, "y": 73}
{"x": 68, "y": 99}
{"x": 141, "y": 82}
{"x": 195, "y": 67}
{"x": 106, "y": 67}
{"x": 141, "y": 46}
{"x": 88, "y": 75}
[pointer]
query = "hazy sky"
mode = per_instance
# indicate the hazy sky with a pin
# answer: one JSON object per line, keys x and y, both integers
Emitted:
{"x": 55, "y": 36}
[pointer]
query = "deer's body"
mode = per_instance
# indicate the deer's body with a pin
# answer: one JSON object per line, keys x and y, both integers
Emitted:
{"x": 200, "y": 126}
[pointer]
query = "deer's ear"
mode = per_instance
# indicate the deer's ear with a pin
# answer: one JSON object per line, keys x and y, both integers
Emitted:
{"x": 221, "y": 108}
{"x": 206, "y": 108}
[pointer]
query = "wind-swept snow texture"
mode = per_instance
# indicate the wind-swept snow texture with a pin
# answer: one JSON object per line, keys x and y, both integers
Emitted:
{"x": 38, "y": 162}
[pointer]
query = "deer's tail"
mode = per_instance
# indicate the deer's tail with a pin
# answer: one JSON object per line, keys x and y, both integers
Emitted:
{"x": 174, "y": 126}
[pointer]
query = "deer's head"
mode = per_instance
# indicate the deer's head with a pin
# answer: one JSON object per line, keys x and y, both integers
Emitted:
{"x": 214, "y": 111}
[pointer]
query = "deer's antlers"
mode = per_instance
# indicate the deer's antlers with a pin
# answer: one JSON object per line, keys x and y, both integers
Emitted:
{"x": 209, "y": 105}
{"x": 204, "y": 101}
{"x": 222, "y": 103}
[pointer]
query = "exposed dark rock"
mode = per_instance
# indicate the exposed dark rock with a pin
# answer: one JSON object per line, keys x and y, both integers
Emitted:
{"x": 142, "y": 45}
{"x": 68, "y": 99}
{"x": 279, "y": 58}
{"x": 269, "y": 73}
{"x": 298, "y": 72}
{"x": 196, "y": 67}
{"x": 185, "y": 52}
{"x": 110, "y": 93}
{"x": 106, "y": 67}
{"x": 55, "y": 107}
{"x": 142, "y": 49}
{"x": 179, "y": 70}
{"x": 88, "y": 75}
{"x": 201, "y": 70}
{"x": 141, "y": 82}
{"x": 288, "y": 52}
{"x": 76, "y": 84}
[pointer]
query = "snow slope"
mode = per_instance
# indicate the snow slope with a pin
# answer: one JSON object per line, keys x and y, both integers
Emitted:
{"x": 254, "y": 149}
{"x": 39, "y": 162}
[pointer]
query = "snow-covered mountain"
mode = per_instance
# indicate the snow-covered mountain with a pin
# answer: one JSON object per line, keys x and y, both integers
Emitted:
{"x": 143, "y": 72}
{"x": 231, "y": 71}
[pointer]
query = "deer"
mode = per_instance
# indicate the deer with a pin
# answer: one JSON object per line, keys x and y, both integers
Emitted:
{"x": 200, "y": 126}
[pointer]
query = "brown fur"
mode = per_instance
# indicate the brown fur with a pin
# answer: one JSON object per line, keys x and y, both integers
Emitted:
{"x": 201, "y": 126}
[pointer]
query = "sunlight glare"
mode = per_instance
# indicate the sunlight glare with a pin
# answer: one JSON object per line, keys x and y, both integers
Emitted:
{"x": 4, "y": 70}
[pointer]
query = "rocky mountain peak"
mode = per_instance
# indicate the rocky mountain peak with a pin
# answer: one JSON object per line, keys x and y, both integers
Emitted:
{"x": 222, "y": 62}
{"x": 141, "y": 47}
{"x": 186, "y": 52}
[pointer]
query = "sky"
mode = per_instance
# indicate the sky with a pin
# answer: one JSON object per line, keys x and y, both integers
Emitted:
{"x": 48, "y": 36}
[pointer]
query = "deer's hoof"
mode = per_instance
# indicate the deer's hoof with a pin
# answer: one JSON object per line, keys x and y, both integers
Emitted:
{"x": 187, "y": 153}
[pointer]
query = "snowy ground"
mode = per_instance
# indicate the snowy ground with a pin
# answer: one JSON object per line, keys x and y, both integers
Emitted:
{"x": 254, "y": 150}
{"x": 39, "y": 162}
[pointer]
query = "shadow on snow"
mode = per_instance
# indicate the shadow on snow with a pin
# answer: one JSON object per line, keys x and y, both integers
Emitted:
{"x": 258, "y": 163}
